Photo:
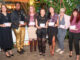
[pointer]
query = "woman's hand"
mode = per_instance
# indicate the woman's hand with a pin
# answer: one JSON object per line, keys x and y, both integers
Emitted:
{"x": 22, "y": 24}
{"x": 39, "y": 27}
{"x": 3, "y": 25}
{"x": 46, "y": 27}
{"x": 56, "y": 25}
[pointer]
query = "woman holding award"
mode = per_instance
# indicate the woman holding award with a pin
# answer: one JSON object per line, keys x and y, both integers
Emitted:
{"x": 32, "y": 28}
{"x": 52, "y": 29}
{"x": 6, "y": 42}
{"x": 74, "y": 33}
{"x": 64, "y": 22}
{"x": 41, "y": 24}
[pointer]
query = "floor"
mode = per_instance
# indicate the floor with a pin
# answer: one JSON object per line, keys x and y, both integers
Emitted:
{"x": 35, "y": 55}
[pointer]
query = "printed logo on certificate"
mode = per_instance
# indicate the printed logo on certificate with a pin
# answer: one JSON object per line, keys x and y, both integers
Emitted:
{"x": 32, "y": 23}
{"x": 42, "y": 25}
{"x": 51, "y": 23}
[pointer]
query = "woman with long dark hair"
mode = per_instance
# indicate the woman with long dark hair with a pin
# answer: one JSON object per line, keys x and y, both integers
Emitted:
{"x": 41, "y": 24}
{"x": 6, "y": 42}
{"x": 74, "y": 33}
{"x": 52, "y": 29}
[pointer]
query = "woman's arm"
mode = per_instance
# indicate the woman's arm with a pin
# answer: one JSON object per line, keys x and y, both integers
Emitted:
{"x": 2, "y": 25}
{"x": 57, "y": 24}
{"x": 46, "y": 24}
{"x": 37, "y": 24}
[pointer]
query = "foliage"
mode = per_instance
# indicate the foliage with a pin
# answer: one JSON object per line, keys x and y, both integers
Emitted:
{"x": 69, "y": 5}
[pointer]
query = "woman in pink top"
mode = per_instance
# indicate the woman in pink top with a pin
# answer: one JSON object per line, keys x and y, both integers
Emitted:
{"x": 74, "y": 33}
{"x": 31, "y": 28}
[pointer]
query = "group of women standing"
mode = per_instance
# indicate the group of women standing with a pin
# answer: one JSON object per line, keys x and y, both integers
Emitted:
{"x": 40, "y": 25}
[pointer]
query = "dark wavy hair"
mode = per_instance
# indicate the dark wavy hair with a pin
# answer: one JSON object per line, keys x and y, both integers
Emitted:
{"x": 72, "y": 16}
{"x": 49, "y": 14}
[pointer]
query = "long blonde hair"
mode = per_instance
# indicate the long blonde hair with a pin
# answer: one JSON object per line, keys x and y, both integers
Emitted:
{"x": 33, "y": 9}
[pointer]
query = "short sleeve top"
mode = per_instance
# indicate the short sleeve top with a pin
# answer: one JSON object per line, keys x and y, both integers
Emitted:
{"x": 41, "y": 20}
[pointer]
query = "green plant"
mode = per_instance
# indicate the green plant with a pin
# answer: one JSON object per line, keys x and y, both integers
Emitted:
{"x": 68, "y": 4}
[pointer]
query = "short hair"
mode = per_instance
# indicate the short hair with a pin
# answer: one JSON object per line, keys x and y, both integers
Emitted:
{"x": 62, "y": 9}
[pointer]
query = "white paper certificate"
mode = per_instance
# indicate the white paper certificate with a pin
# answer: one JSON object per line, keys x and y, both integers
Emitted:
{"x": 51, "y": 23}
{"x": 42, "y": 25}
{"x": 32, "y": 23}
{"x": 62, "y": 26}
{"x": 21, "y": 22}
{"x": 7, "y": 24}
{"x": 72, "y": 27}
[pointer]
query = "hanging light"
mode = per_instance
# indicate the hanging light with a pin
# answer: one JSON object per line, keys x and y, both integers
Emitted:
{"x": 31, "y": 2}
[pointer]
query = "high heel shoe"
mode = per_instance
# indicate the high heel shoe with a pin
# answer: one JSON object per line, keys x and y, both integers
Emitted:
{"x": 52, "y": 53}
{"x": 11, "y": 54}
{"x": 8, "y": 56}
{"x": 40, "y": 53}
{"x": 70, "y": 55}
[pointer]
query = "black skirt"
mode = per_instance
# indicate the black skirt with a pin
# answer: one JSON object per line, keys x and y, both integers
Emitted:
{"x": 6, "y": 41}
{"x": 52, "y": 31}
{"x": 41, "y": 33}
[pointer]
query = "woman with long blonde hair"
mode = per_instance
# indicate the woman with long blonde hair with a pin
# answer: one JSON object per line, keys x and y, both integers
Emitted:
{"x": 31, "y": 28}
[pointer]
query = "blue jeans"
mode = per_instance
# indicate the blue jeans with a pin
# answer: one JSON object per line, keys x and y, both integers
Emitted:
{"x": 61, "y": 36}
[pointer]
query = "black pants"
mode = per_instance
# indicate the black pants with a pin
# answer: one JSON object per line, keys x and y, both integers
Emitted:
{"x": 41, "y": 34}
{"x": 74, "y": 37}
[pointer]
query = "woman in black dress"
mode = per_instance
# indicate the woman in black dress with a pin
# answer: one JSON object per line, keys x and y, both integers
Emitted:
{"x": 52, "y": 29}
{"x": 6, "y": 42}
{"x": 41, "y": 24}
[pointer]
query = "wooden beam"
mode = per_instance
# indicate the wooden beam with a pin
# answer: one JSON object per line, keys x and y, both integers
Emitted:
{"x": 25, "y": 1}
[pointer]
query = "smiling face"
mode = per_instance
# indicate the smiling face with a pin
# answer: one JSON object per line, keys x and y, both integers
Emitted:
{"x": 75, "y": 13}
{"x": 31, "y": 9}
{"x": 18, "y": 6}
{"x": 42, "y": 12}
{"x": 3, "y": 8}
{"x": 61, "y": 13}
{"x": 51, "y": 10}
